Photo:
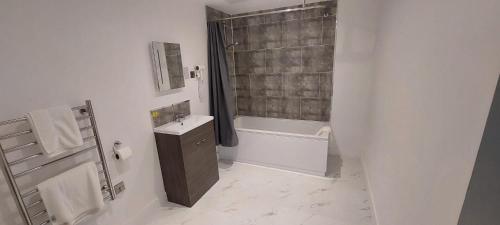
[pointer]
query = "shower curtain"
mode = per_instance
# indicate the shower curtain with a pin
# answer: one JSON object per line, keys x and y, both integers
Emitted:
{"x": 221, "y": 97}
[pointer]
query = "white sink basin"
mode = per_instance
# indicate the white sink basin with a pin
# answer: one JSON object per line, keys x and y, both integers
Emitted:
{"x": 179, "y": 128}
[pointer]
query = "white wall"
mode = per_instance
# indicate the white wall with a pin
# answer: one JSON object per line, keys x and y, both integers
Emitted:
{"x": 65, "y": 51}
{"x": 353, "y": 78}
{"x": 437, "y": 66}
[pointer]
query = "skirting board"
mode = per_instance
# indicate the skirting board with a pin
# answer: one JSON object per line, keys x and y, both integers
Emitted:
{"x": 368, "y": 183}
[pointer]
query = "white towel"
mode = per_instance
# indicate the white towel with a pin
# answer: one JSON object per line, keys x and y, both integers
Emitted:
{"x": 55, "y": 129}
{"x": 73, "y": 195}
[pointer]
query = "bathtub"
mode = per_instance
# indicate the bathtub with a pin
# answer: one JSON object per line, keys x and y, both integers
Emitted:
{"x": 295, "y": 145}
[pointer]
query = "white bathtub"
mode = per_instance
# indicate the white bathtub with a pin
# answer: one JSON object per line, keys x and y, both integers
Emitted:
{"x": 280, "y": 143}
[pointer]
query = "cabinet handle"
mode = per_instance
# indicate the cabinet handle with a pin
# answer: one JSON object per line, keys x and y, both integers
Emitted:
{"x": 201, "y": 141}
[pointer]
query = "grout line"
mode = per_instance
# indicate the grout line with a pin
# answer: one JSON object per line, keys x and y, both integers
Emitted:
{"x": 300, "y": 107}
{"x": 322, "y": 30}
{"x": 282, "y": 85}
{"x": 291, "y": 47}
{"x": 265, "y": 102}
{"x": 319, "y": 85}
{"x": 234, "y": 71}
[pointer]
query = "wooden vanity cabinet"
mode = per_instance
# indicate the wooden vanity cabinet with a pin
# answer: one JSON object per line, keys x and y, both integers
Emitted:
{"x": 188, "y": 163}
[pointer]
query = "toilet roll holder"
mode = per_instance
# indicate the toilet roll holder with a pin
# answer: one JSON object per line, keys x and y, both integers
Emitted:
{"x": 116, "y": 146}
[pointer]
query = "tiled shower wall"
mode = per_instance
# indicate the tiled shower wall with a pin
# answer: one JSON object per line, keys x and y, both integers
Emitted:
{"x": 214, "y": 14}
{"x": 283, "y": 65}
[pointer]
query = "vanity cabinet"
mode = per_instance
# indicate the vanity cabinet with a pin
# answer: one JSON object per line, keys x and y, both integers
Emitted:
{"x": 188, "y": 163}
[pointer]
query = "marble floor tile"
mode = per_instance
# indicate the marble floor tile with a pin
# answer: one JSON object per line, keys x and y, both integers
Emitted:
{"x": 254, "y": 195}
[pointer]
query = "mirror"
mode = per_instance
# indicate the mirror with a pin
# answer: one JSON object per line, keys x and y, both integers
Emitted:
{"x": 167, "y": 62}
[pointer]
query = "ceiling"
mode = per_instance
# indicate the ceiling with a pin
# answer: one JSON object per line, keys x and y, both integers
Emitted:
{"x": 242, "y": 6}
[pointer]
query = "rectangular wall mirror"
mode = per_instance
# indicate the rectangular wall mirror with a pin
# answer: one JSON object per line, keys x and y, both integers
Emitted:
{"x": 167, "y": 62}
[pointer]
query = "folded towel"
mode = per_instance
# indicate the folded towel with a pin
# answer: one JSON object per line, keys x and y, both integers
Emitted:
{"x": 55, "y": 129}
{"x": 324, "y": 131}
{"x": 73, "y": 195}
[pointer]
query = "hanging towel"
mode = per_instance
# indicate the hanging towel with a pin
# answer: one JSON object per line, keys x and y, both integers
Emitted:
{"x": 73, "y": 195}
{"x": 55, "y": 129}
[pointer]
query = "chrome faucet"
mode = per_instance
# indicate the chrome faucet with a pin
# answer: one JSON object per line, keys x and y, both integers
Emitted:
{"x": 179, "y": 117}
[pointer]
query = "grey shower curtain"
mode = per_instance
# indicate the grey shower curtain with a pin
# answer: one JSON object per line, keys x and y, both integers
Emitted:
{"x": 221, "y": 96}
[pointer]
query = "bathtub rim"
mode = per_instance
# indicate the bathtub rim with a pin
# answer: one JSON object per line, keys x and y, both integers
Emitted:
{"x": 286, "y": 134}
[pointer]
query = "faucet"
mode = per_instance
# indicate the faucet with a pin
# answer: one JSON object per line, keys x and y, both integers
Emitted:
{"x": 179, "y": 117}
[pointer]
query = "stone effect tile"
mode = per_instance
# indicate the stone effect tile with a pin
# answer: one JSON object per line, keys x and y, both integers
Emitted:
{"x": 228, "y": 33}
{"x": 326, "y": 85}
{"x": 315, "y": 13}
{"x": 291, "y": 33}
{"x": 255, "y": 20}
{"x": 235, "y": 105}
{"x": 317, "y": 59}
{"x": 283, "y": 107}
{"x": 286, "y": 60}
{"x": 311, "y": 32}
{"x": 213, "y": 14}
{"x": 329, "y": 30}
{"x": 302, "y": 85}
{"x": 165, "y": 115}
{"x": 273, "y": 107}
{"x": 266, "y": 85}
{"x": 315, "y": 109}
{"x": 250, "y": 62}
{"x": 240, "y": 35}
{"x": 295, "y": 15}
{"x": 252, "y": 106}
{"x": 264, "y": 36}
{"x": 274, "y": 18}
{"x": 232, "y": 83}
{"x": 183, "y": 107}
{"x": 258, "y": 106}
{"x": 284, "y": 63}
{"x": 244, "y": 105}
{"x": 243, "y": 85}
{"x": 230, "y": 63}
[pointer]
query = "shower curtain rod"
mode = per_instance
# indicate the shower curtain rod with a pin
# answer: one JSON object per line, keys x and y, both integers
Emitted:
{"x": 274, "y": 12}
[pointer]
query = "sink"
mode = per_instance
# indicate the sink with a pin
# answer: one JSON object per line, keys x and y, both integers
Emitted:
{"x": 179, "y": 128}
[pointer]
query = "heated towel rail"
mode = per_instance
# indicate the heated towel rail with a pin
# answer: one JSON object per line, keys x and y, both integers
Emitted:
{"x": 85, "y": 112}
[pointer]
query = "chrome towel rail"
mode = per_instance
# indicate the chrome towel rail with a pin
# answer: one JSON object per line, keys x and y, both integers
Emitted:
{"x": 19, "y": 147}
{"x": 26, "y": 172}
{"x": 86, "y": 112}
{"x": 5, "y": 137}
{"x": 86, "y": 139}
{"x": 23, "y": 146}
{"x": 33, "y": 204}
{"x": 25, "y": 119}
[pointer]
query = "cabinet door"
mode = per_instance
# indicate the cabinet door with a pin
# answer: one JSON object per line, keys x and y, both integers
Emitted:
{"x": 200, "y": 160}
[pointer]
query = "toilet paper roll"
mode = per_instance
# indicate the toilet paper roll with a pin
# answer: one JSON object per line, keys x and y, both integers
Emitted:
{"x": 123, "y": 153}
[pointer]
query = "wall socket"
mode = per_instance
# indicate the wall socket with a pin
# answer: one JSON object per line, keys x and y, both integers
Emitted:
{"x": 119, "y": 188}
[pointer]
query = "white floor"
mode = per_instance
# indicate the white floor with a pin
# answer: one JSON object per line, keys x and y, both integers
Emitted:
{"x": 252, "y": 195}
